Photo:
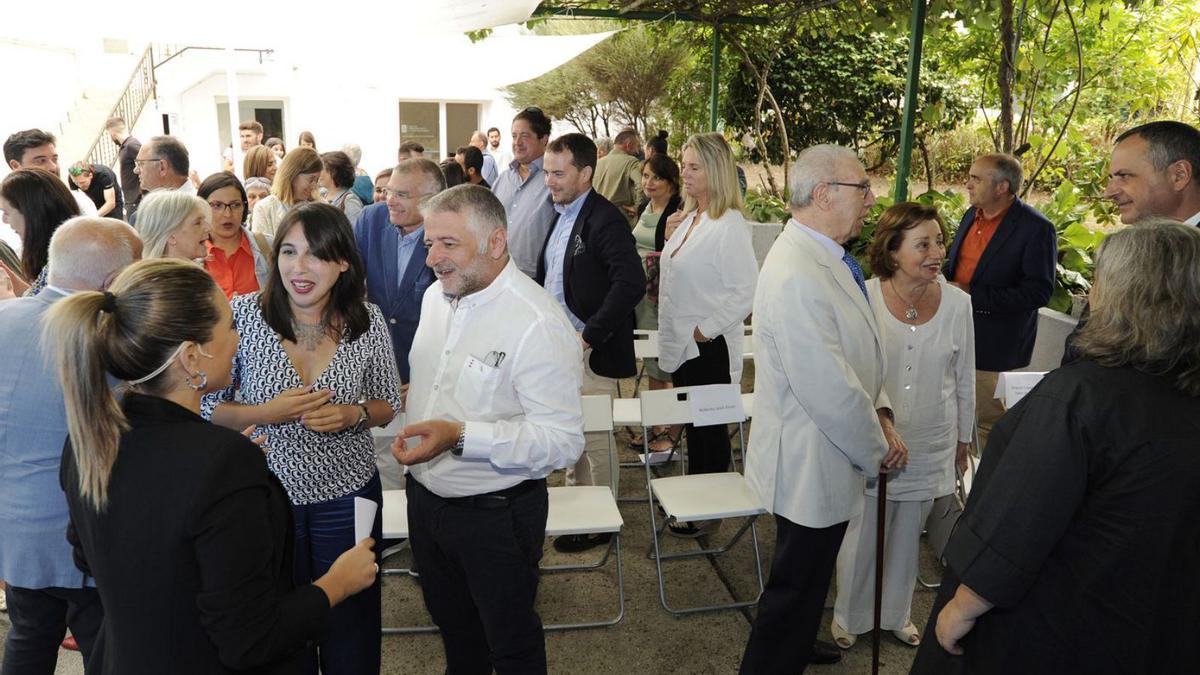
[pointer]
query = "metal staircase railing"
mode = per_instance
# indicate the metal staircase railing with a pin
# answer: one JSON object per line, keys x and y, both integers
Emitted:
{"x": 128, "y": 107}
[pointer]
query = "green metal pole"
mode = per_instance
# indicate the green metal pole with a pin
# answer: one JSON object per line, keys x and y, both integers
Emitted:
{"x": 916, "y": 31}
{"x": 714, "y": 98}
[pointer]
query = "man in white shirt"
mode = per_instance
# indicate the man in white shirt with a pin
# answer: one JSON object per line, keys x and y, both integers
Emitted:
{"x": 495, "y": 381}
{"x": 495, "y": 149}
{"x": 35, "y": 149}
{"x": 162, "y": 164}
{"x": 821, "y": 418}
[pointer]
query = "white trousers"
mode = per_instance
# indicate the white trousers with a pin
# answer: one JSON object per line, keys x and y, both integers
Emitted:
{"x": 593, "y": 467}
{"x": 855, "y": 605}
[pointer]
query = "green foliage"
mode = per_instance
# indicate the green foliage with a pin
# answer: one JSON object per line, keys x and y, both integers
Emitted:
{"x": 1069, "y": 210}
{"x": 763, "y": 207}
{"x": 842, "y": 88}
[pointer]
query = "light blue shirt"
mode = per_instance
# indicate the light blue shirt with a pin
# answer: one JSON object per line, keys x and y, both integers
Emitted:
{"x": 404, "y": 250}
{"x": 489, "y": 172}
{"x": 835, "y": 249}
{"x": 529, "y": 210}
{"x": 34, "y": 552}
{"x": 556, "y": 253}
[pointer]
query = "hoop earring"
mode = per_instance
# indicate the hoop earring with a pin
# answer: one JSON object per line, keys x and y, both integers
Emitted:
{"x": 203, "y": 380}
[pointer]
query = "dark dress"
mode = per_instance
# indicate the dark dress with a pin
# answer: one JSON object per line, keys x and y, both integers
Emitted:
{"x": 193, "y": 555}
{"x": 1083, "y": 529}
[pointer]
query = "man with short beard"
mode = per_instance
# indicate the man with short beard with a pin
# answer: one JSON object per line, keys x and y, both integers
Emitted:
{"x": 495, "y": 375}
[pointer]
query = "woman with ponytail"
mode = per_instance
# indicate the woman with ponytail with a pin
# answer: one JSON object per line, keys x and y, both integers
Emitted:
{"x": 179, "y": 521}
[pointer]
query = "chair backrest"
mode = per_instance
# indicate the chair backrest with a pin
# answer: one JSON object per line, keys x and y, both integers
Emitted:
{"x": 645, "y": 344}
{"x": 662, "y": 407}
{"x": 597, "y": 413}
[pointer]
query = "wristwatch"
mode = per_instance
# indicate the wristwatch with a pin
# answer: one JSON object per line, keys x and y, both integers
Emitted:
{"x": 363, "y": 416}
{"x": 457, "y": 448}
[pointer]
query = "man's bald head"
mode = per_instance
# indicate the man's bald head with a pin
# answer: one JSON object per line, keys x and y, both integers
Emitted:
{"x": 86, "y": 253}
{"x": 479, "y": 140}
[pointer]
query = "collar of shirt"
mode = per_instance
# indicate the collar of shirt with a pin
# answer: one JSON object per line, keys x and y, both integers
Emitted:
{"x": 58, "y": 289}
{"x": 243, "y": 247}
{"x": 1193, "y": 221}
{"x": 414, "y": 237}
{"x": 570, "y": 211}
{"x": 486, "y": 295}
{"x": 835, "y": 249}
{"x": 534, "y": 167}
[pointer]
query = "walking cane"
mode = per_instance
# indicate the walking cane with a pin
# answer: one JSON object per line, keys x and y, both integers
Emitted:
{"x": 880, "y": 513}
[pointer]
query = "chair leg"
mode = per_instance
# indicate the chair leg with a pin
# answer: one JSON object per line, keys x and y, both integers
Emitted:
{"x": 620, "y": 596}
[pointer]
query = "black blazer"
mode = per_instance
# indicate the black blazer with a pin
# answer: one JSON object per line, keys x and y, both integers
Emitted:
{"x": 193, "y": 555}
{"x": 602, "y": 281}
{"x": 660, "y": 230}
{"x": 1014, "y": 278}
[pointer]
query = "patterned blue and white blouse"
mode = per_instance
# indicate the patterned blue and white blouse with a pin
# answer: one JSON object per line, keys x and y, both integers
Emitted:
{"x": 313, "y": 466}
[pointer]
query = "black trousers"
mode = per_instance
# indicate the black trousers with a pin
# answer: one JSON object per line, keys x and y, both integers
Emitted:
{"x": 789, "y": 612}
{"x": 40, "y": 618}
{"x": 707, "y": 447}
{"x": 479, "y": 574}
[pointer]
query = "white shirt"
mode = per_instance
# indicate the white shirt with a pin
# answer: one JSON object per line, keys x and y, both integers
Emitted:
{"x": 501, "y": 154}
{"x": 707, "y": 282}
{"x": 1193, "y": 221}
{"x": 505, "y": 361}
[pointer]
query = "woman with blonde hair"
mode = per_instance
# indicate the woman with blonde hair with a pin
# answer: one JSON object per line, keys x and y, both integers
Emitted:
{"x": 707, "y": 277}
{"x": 259, "y": 163}
{"x": 179, "y": 521}
{"x": 174, "y": 224}
{"x": 1077, "y": 551}
{"x": 295, "y": 183}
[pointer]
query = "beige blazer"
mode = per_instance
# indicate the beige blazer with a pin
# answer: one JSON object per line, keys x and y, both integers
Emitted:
{"x": 819, "y": 370}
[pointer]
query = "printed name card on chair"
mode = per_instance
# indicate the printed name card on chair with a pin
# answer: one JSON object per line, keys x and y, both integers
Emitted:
{"x": 716, "y": 404}
{"x": 1011, "y": 387}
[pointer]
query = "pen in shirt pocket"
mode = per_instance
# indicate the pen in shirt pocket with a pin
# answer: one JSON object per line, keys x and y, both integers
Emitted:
{"x": 494, "y": 359}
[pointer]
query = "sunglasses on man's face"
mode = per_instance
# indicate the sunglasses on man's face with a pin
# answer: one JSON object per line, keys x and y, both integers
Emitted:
{"x": 77, "y": 171}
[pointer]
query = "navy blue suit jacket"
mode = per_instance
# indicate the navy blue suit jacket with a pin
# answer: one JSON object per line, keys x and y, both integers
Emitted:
{"x": 378, "y": 242}
{"x": 1014, "y": 278}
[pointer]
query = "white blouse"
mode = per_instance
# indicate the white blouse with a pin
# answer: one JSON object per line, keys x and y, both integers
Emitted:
{"x": 706, "y": 283}
{"x": 930, "y": 381}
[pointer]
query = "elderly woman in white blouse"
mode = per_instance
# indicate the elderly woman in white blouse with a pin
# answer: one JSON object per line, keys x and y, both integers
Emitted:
{"x": 706, "y": 290}
{"x": 929, "y": 338}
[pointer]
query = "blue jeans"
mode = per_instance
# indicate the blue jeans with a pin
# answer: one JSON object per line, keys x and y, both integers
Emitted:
{"x": 351, "y": 641}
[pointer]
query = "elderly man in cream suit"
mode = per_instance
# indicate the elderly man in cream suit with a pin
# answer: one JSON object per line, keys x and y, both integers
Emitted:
{"x": 822, "y": 423}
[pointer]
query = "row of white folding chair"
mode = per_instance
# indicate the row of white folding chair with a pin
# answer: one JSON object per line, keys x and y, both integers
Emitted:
{"x": 581, "y": 509}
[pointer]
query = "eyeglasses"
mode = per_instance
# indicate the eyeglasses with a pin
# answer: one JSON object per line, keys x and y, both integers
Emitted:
{"x": 231, "y": 207}
{"x": 865, "y": 186}
{"x": 149, "y": 159}
{"x": 401, "y": 195}
{"x": 533, "y": 109}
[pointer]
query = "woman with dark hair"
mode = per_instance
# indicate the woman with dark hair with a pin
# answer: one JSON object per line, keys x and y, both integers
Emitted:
{"x": 1077, "y": 551}
{"x": 34, "y": 203}
{"x": 238, "y": 260}
{"x": 307, "y": 141}
{"x": 657, "y": 145}
{"x": 337, "y": 183}
{"x": 660, "y": 184}
{"x": 260, "y": 162}
{"x": 179, "y": 521}
{"x": 315, "y": 369}
{"x": 294, "y": 183}
{"x": 928, "y": 336}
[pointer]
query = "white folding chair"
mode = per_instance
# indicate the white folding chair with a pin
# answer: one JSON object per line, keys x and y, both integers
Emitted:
{"x": 590, "y": 509}
{"x": 395, "y": 526}
{"x": 712, "y": 496}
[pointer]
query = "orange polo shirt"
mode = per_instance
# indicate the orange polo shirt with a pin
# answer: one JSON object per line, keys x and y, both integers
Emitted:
{"x": 974, "y": 243}
{"x": 235, "y": 273}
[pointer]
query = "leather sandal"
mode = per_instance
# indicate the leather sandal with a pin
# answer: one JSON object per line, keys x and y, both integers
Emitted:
{"x": 841, "y": 637}
{"x": 908, "y": 635}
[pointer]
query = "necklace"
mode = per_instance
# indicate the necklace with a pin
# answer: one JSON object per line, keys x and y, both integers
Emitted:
{"x": 910, "y": 314}
{"x": 309, "y": 335}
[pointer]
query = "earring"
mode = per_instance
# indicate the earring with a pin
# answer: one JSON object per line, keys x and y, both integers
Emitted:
{"x": 203, "y": 380}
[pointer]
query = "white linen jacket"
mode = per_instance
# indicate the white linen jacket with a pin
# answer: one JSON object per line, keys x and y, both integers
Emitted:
{"x": 819, "y": 372}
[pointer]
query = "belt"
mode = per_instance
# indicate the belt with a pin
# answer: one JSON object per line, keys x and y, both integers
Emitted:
{"x": 500, "y": 499}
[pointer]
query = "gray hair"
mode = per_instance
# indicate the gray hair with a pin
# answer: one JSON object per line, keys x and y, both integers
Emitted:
{"x": 173, "y": 151}
{"x": 86, "y": 252}
{"x": 160, "y": 213}
{"x": 477, "y": 205}
{"x": 604, "y": 144}
{"x": 814, "y": 165}
{"x": 354, "y": 152}
{"x": 435, "y": 180}
{"x": 1005, "y": 168}
{"x": 1146, "y": 294}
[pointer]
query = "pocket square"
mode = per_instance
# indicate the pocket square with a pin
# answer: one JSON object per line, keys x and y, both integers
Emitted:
{"x": 579, "y": 247}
